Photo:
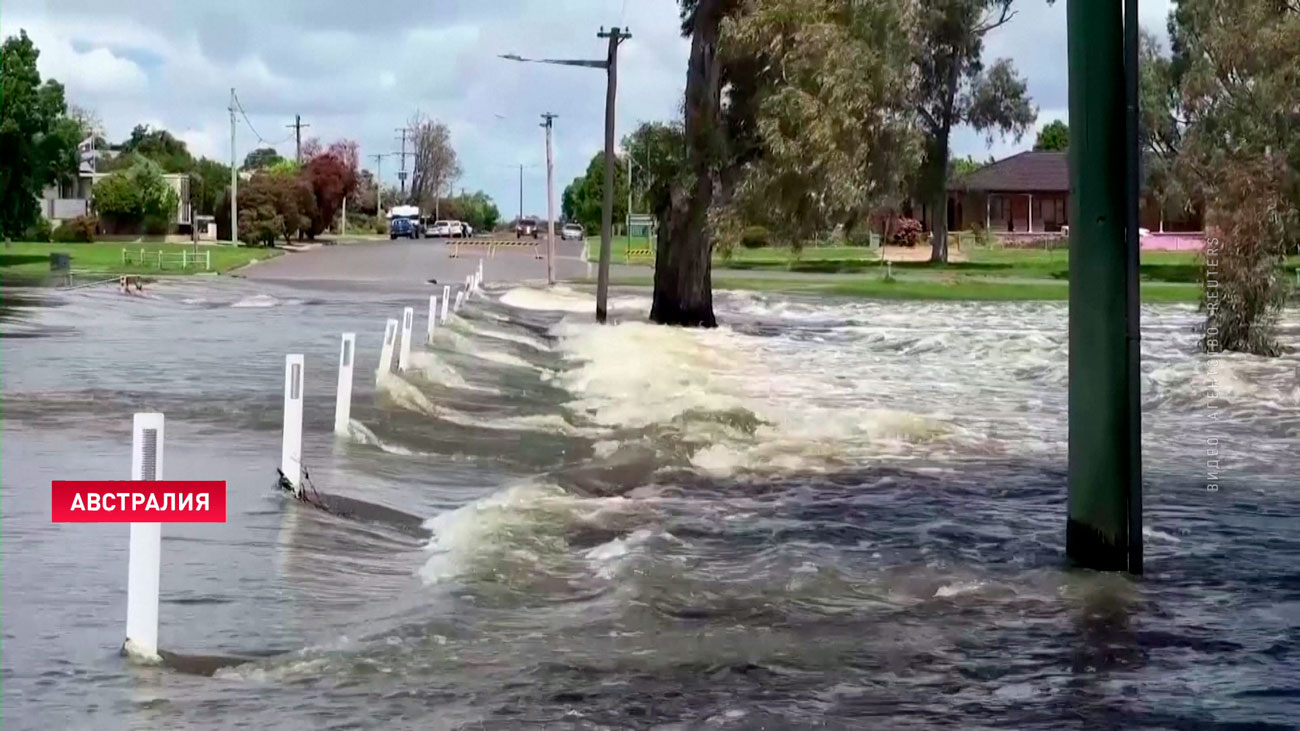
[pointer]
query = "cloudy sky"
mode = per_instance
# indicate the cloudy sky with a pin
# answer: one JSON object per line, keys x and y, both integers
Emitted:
{"x": 360, "y": 69}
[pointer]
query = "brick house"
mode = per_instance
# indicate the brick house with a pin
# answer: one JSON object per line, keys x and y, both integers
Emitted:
{"x": 1027, "y": 197}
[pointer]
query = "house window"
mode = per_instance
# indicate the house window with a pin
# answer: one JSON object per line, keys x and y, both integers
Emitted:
{"x": 999, "y": 208}
{"x": 1052, "y": 213}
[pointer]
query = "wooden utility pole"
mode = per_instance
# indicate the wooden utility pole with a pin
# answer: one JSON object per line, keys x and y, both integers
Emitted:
{"x": 401, "y": 174}
{"x": 616, "y": 36}
{"x": 379, "y": 184}
{"x": 234, "y": 175}
{"x": 297, "y": 136}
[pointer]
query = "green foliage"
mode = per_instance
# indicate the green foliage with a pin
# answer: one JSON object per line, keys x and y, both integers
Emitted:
{"x": 38, "y": 141}
{"x": 154, "y": 225}
{"x": 262, "y": 157}
{"x": 754, "y": 237}
{"x": 160, "y": 146}
{"x": 208, "y": 180}
{"x": 39, "y": 230}
{"x": 657, "y": 153}
{"x": 1242, "y": 104}
{"x": 132, "y": 195}
{"x": 584, "y": 197}
{"x": 963, "y": 166}
{"x": 477, "y": 209}
{"x": 954, "y": 88}
{"x": 834, "y": 120}
{"x": 270, "y": 208}
{"x": 77, "y": 230}
{"x": 284, "y": 168}
{"x": 1055, "y": 136}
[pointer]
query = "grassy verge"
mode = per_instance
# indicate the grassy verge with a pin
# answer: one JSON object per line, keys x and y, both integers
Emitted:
{"x": 32, "y": 259}
{"x": 1048, "y": 265}
{"x": 813, "y": 259}
{"x": 965, "y": 289}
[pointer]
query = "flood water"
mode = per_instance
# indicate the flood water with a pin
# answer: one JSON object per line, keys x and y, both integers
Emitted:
{"x": 825, "y": 514}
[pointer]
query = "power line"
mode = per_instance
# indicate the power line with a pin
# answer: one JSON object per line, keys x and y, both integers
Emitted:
{"x": 262, "y": 140}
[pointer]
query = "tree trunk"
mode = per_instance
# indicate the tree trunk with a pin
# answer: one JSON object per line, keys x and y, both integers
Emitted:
{"x": 939, "y": 223}
{"x": 683, "y": 292}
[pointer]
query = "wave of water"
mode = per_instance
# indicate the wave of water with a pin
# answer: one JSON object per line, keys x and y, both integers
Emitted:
{"x": 825, "y": 513}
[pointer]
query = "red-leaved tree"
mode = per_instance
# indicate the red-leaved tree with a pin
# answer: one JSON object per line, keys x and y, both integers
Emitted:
{"x": 332, "y": 175}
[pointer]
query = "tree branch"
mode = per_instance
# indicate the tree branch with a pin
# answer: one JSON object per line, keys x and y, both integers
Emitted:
{"x": 928, "y": 118}
{"x": 1003, "y": 18}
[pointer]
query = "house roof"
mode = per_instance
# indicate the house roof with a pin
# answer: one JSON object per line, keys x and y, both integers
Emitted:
{"x": 1030, "y": 171}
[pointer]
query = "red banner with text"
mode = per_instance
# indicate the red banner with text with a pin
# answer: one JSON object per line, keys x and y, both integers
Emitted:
{"x": 143, "y": 501}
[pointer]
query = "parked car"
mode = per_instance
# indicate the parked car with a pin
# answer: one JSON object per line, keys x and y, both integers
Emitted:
{"x": 403, "y": 227}
{"x": 571, "y": 231}
{"x": 526, "y": 227}
{"x": 440, "y": 229}
{"x": 457, "y": 229}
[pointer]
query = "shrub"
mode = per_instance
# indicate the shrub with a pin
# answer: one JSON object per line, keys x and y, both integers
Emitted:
{"x": 980, "y": 237}
{"x": 156, "y": 225}
{"x": 754, "y": 237}
{"x": 907, "y": 232}
{"x": 77, "y": 230}
{"x": 132, "y": 195}
{"x": 38, "y": 231}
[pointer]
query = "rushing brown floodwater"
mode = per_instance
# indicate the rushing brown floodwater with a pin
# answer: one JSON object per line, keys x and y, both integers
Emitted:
{"x": 826, "y": 514}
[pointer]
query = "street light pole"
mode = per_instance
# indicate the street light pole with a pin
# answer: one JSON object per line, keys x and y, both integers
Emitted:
{"x": 550, "y": 203}
{"x": 610, "y": 64}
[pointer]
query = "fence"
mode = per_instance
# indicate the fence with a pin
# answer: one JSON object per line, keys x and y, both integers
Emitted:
{"x": 493, "y": 244}
{"x": 161, "y": 260}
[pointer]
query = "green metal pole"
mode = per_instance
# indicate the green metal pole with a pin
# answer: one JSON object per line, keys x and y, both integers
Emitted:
{"x": 1101, "y": 421}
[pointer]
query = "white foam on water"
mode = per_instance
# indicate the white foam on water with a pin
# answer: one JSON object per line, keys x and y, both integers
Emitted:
{"x": 258, "y": 300}
{"x": 428, "y": 366}
{"x": 361, "y": 434}
{"x": 746, "y": 403}
{"x": 565, "y": 299}
{"x": 404, "y": 394}
{"x": 515, "y": 535}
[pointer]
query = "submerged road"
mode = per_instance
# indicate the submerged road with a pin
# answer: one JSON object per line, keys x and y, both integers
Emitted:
{"x": 411, "y": 264}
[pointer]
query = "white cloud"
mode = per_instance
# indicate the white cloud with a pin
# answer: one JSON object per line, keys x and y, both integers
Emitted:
{"x": 359, "y": 70}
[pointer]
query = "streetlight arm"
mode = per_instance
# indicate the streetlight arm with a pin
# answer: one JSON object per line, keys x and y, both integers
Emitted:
{"x": 560, "y": 61}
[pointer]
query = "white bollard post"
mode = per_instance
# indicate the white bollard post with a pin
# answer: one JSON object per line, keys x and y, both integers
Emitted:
{"x": 469, "y": 285}
{"x": 343, "y": 399}
{"x": 460, "y": 300}
{"x": 433, "y": 316}
{"x": 386, "y": 352}
{"x": 446, "y": 300}
{"x": 480, "y": 271}
{"x": 404, "y": 355}
{"x": 291, "y": 447}
{"x": 145, "y": 559}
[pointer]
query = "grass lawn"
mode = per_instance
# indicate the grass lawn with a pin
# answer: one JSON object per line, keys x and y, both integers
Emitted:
{"x": 1174, "y": 267}
{"x": 32, "y": 259}
{"x": 823, "y": 258}
{"x": 963, "y": 288}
